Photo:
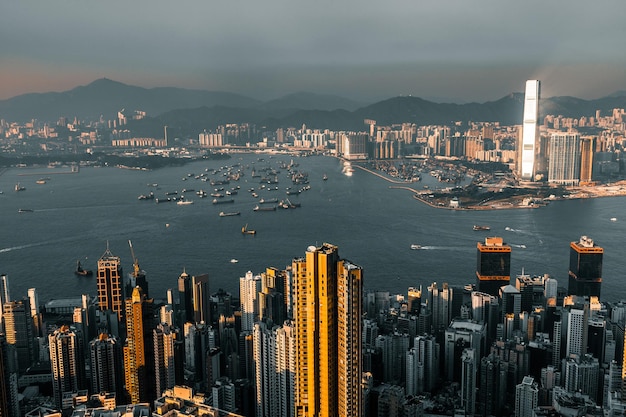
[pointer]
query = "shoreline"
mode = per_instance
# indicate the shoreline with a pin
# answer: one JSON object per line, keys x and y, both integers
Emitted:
{"x": 616, "y": 189}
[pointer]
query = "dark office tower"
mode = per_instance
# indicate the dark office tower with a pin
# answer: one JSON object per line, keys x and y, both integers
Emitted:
{"x": 201, "y": 298}
{"x": 9, "y": 404}
{"x": 18, "y": 329}
{"x": 585, "y": 267}
{"x": 185, "y": 304}
{"x": 493, "y": 267}
{"x": 67, "y": 363}
{"x": 138, "y": 352}
{"x": 415, "y": 300}
{"x": 492, "y": 392}
{"x": 110, "y": 290}
{"x": 107, "y": 373}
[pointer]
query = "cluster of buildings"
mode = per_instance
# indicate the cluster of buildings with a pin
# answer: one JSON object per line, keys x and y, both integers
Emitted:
{"x": 308, "y": 341}
{"x": 557, "y": 149}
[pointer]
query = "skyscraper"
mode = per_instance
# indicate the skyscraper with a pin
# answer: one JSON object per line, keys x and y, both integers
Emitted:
{"x": 110, "y": 284}
{"x": 530, "y": 132}
{"x": 564, "y": 151}
{"x": 587, "y": 147}
{"x": 18, "y": 328}
{"x": 4, "y": 296}
{"x": 249, "y": 288}
{"x": 200, "y": 298}
{"x": 526, "y": 397}
{"x": 67, "y": 363}
{"x": 328, "y": 310}
{"x": 585, "y": 267}
{"x": 9, "y": 401}
{"x": 105, "y": 353}
{"x": 493, "y": 267}
{"x": 138, "y": 352}
{"x": 164, "y": 339}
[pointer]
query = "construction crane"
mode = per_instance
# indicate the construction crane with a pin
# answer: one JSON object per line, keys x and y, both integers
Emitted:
{"x": 136, "y": 270}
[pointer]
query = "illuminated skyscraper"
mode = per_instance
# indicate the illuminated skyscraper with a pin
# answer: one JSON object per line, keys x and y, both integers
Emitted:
{"x": 585, "y": 267}
{"x": 164, "y": 339}
{"x": 138, "y": 352}
{"x": 18, "y": 328}
{"x": 493, "y": 267}
{"x": 249, "y": 288}
{"x": 4, "y": 295}
{"x": 200, "y": 298}
{"x": 328, "y": 311}
{"x": 110, "y": 281}
{"x": 530, "y": 132}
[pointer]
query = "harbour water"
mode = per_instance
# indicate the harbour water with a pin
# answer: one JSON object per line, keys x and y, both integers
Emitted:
{"x": 75, "y": 215}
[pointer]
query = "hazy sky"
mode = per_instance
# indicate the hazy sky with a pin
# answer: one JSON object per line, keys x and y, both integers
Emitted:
{"x": 452, "y": 50}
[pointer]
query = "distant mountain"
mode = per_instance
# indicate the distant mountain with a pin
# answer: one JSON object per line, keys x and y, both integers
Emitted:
{"x": 106, "y": 97}
{"x": 188, "y": 112}
{"x": 311, "y": 101}
{"x": 620, "y": 93}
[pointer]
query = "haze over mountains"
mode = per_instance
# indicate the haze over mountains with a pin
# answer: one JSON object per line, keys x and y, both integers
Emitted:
{"x": 194, "y": 110}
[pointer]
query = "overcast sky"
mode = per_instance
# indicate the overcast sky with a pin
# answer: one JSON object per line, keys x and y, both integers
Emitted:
{"x": 447, "y": 50}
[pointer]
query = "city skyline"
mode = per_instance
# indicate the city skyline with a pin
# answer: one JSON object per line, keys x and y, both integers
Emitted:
{"x": 454, "y": 52}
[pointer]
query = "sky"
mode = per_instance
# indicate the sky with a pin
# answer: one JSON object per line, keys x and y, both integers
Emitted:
{"x": 442, "y": 50}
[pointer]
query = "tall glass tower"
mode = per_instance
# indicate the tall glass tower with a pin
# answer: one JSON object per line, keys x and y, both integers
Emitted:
{"x": 110, "y": 281}
{"x": 585, "y": 267}
{"x": 530, "y": 130}
{"x": 493, "y": 265}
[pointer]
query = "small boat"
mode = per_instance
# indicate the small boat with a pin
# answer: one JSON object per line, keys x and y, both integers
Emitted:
{"x": 266, "y": 208}
{"x": 268, "y": 201}
{"x": 234, "y": 261}
{"x": 227, "y": 214}
{"x": 478, "y": 227}
{"x": 325, "y": 177}
{"x": 146, "y": 196}
{"x": 184, "y": 202}
{"x": 416, "y": 247}
{"x": 40, "y": 181}
{"x": 82, "y": 272}
{"x": 24, "y": 210}
{"x": 613, "y": 219}
{"x": 18, "y": 187}
{"x": 246, "y": 231}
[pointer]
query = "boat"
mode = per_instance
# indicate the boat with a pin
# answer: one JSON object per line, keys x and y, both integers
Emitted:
{"x": 227, "y": 214}
{"x": 246, "y": 231}
{"x": 146, "y": 196}
{"x": 479, "y": 227}
{"x": 216, "y": 201}
{"x": 613, "y": 219}
{"x": 325, "y": 177}
{"x": 268, "y": 201}
{"x": 184, "y": 202}
{"x": 266, "y": 208}
{"x": 18, "y": 187}
{"x": 416, "y": 247}
{"x": 24, "y": 210}
{"x": 40, "y": 181}
{"x": 82, "y": 272}
{"x": 233, "y": 261}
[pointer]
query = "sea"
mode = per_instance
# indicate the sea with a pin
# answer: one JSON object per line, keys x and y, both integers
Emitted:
{"x": 75, "y": 216}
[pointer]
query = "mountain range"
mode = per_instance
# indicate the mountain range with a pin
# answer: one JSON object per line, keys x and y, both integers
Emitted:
{"x": 191, "y": 111}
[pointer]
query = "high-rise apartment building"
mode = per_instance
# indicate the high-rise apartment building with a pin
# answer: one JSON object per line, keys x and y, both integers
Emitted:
{"x": 201, "y": 298}
{"x": 585, "y": 267}
{"x": 164, "y": 339}
{"x": 530, "y": 132}
{"x": 493, "y": 266}
{"x": 4, "y": 296}
{"x": 328, "y": 311}
{"x": 564, "y": 165}
{"x": 249, "y": 288}
{"x": 185, "y": 299}
{"x": 526, "y": 397}
{"x": 110, "y": 284}
{"x": 66, "y": 359}
{"x": 105, "y": 353}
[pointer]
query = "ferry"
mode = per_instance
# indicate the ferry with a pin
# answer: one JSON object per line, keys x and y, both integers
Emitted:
{"x": 416, "y": 247}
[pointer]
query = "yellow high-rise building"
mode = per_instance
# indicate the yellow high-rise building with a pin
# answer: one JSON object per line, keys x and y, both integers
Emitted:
{"x": 328, "y": 309}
